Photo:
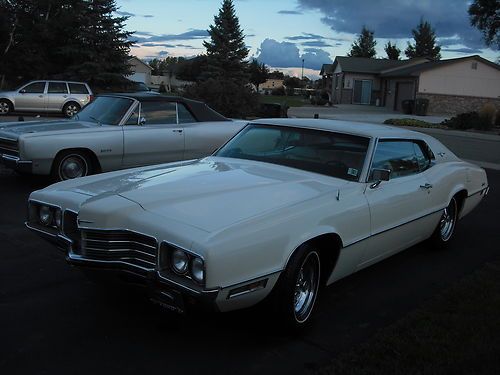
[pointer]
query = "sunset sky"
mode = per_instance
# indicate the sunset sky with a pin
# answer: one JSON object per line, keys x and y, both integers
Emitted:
{"x": 280, "y": 33}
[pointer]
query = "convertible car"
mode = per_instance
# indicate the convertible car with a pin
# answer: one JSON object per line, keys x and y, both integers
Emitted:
{"x": 115, "y": 132}
{"x": 283, "y": 208}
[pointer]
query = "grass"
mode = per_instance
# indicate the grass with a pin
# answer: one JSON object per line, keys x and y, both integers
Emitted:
{"x": 412, "y": 122}
{"x": 290, "y": 101}
{"x": 458, "y": 332}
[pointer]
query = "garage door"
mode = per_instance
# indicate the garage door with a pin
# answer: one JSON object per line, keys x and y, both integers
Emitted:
{"x": 138, "y": 77}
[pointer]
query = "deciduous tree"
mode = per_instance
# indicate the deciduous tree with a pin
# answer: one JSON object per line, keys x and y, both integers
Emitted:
{"x": 259, "y": 73}
{"x": 485, "y": 15}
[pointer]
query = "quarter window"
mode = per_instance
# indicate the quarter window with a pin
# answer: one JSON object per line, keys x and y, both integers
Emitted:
{"x": 184, "y": 115}
{"x": 77, "y": 88}
{"x": 57, "y": 88}
{"x": 35, "y": 88}
{"x": 397, "y": 156}
{"x": 159, "y": 113}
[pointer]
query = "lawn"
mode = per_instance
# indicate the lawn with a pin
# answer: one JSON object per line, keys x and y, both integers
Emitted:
{"x": 458, "y": 332}
{"x": 290, "y": 101}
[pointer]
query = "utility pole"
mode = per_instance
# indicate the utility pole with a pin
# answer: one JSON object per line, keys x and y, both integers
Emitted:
{"x": 302, "y": 69}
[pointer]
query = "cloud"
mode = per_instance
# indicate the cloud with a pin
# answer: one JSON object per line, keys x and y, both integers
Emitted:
{"x": 292, "y": 12}
{"x": 394, "y": 20}
{"x": 305, "y": 36}
{"x": 128, "y": 14}
{"x": 316, "y": 43}
{"x": 158, "y": 45}
{"x": 462, "y": 50}
{"x": 188, "y": 35}
{"x": 287, "y": 55}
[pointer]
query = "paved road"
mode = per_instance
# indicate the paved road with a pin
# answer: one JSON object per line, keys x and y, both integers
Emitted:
{"x": 52, "y": 320}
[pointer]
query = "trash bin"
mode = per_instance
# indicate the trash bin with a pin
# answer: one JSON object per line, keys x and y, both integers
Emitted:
{"x": 407, "y": 106}
{"x": 421, "y": 106}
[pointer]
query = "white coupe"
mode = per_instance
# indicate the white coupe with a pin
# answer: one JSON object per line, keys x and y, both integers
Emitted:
{"x": 115, "y": 132}
{"x": 284, "y": 207}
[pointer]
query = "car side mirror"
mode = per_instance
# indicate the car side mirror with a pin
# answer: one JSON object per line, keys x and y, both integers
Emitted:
{"x": 379, "y": 175}
{"x": 142, "y": 121}
{"x": 23, "y": 91}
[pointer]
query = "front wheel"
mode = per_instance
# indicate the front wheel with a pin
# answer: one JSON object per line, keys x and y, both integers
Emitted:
{"x": 71, "y": 109}
{"x": 5, "y": 107}
{"x": 446, "y": 227}
{"x": 71, "y": 165}
{"x": 298, "y": 287}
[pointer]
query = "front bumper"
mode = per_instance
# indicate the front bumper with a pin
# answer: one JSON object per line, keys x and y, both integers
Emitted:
{"x": 161, "y": 290}
{"x": 14, "y": 162}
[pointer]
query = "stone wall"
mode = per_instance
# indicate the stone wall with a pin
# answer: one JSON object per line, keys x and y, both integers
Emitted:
{"x": 454, "y": 104}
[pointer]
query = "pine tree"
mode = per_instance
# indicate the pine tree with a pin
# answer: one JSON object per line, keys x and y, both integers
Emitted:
{"x": 485, "y": 15}
{"x": 425, "y": 43}
{"x": 364, "y": 46}
{"x": 226, "y": 50}
{"x": 392, "y": 51}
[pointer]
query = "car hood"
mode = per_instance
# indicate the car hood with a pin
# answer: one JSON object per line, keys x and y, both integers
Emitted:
{"x": 213, "y": 193}
{"x": 15, "y": 129}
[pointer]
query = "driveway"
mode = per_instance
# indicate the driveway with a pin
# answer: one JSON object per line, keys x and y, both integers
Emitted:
{"x": 360, "y": 113}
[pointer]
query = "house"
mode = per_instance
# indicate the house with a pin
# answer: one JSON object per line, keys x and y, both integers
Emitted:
{"x": 270, "y": 85}
{"x": 141, "y": 72}
{"x": 452, "y": 85}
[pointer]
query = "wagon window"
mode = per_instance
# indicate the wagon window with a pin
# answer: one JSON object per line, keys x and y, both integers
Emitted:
{"x": 159, "y": 113}
{"x": 35, "y": 88}
{"x": 397, "y": 156}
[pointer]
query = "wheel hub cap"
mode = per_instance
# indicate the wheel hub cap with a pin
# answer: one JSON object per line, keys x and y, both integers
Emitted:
{"x": 72, "y": 168}
{"x": 306, "y": 288}
{"x": 447, "y": 223}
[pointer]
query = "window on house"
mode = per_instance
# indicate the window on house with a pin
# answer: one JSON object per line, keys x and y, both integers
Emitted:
{"x": 474, "y": 65}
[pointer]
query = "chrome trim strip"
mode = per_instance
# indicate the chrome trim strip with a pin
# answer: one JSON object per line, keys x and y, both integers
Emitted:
{"x": 395, "y": 227}
{"x": 487, "y": 189}
{"x": 248, "y": 281}
{"x": 120, "y": 241}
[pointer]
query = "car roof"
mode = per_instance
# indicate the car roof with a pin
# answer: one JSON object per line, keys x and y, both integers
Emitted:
{"x": 349, "y": 127}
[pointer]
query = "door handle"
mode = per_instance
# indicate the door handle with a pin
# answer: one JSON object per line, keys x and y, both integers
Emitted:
{"x": 40, "y": 96}
{"x": 426, "y": 186}
{"x": 65, "y": 96}
{"x": 177, "y": 130}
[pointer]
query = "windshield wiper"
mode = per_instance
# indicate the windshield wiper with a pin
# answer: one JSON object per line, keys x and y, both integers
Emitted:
{"x": 96, "y": 120}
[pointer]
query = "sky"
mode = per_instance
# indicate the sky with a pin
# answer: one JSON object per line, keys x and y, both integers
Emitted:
{"x": 282, "y": 33}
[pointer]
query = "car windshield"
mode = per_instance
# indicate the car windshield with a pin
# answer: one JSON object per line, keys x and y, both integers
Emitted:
{"x": 105, "y": 110}
{"x": 329, "y": 153}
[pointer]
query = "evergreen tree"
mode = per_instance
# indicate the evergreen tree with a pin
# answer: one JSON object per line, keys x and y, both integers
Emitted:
{"x": 364, "y": 46}
{"x": 425, "y": 43}
{"x": 224, "y": 85}
{"x": 392, "y": 51}
{"x": 485, "y": 15}
{"x": 226, "y": 50}
{"x": 259, "y": 73}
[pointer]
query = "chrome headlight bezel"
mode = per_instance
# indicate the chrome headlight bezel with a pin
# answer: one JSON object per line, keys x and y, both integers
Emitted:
{"x": 45, "y": 215}
{"x": 167, "y": 264}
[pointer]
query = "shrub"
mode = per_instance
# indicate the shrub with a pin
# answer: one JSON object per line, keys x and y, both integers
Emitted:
{"x": 278, "y": 92}
{"x": 162, "y": 88}
{"x": 488, "y": 112}
{"x": 409, "y": 122}
{"x": 468, "y": 120}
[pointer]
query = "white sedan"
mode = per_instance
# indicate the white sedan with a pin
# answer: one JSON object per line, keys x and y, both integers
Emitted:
{"x": 282, "y": 208}
{"x": 115, "y": 132}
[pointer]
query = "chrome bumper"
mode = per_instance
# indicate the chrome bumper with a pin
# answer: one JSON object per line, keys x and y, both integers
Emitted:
{"x": 14, "y": 162}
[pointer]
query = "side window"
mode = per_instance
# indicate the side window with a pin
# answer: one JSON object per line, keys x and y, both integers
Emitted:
{"x": 57, "y": 88}
{"x": 397, "y": 156}
{"x": 77, "y": 88}
{"x": 423, "y": 158}
{"x": 159, "y": 113}
{"x": 35, "y": 88}
{"x": 184, "y": 115}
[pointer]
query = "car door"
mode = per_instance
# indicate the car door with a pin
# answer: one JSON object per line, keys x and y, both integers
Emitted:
{"x": 152, "y": 135}
{"x": 57, "y": 93}
{"x": 399, "y": 208}
{"x": 32, "y": 97}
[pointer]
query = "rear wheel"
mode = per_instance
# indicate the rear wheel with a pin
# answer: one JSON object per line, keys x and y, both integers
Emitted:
{"x": 69, "y": 165}
{"x": 446, "y": 227}
{"x": 70, "y": 109}
{"x": 298, "y": 287}
{"x": 5, "y": 107}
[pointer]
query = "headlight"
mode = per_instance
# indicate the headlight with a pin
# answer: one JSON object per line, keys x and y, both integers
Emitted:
{"x": 198, "y": 270}
{"x": 180, "y": 261}
{"x": 58, "y": 218}
{"x": 45, "y": 215}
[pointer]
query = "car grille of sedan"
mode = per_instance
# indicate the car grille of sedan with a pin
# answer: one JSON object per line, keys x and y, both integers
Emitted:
{"x": 119, "y": 246}
{"x": 9, "y": 147}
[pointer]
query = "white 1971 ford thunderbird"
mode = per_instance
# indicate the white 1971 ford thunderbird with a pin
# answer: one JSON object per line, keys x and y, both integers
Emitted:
{"x": 282, "y": 208}
{"x": 115, "y": 132}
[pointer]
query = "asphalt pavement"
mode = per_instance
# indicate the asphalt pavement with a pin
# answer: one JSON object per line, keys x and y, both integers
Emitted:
{"x": 53, "y": 320}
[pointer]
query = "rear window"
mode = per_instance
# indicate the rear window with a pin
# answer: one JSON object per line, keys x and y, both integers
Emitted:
{"x": 78, "y": 88}
{"x": 57, "y": 88}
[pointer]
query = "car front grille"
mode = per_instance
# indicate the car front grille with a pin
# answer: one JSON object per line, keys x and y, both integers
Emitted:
{"x": 119, "y": 246}
{"x": 9, "y": 147}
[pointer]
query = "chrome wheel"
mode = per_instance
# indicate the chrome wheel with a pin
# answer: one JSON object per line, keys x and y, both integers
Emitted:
{"x": 73, "y": 166}
{"x": 4, "y": 108}
{"x": 448, "y": 221}
{"x": 306, "y": 287}
{"x": 71, "y": 109}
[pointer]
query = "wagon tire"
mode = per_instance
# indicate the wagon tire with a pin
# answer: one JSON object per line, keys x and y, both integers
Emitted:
{"x": 298, "y": 286}
{"x": 445, "y": 229}
{"x": 70, "y": 109}
{"x": 5, "y": 107}
{"x": 71, "y": 164}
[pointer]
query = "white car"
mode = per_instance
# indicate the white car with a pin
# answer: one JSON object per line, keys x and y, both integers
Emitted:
{"x": 282, "y": 208}
{"x": 115, "y": 132}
